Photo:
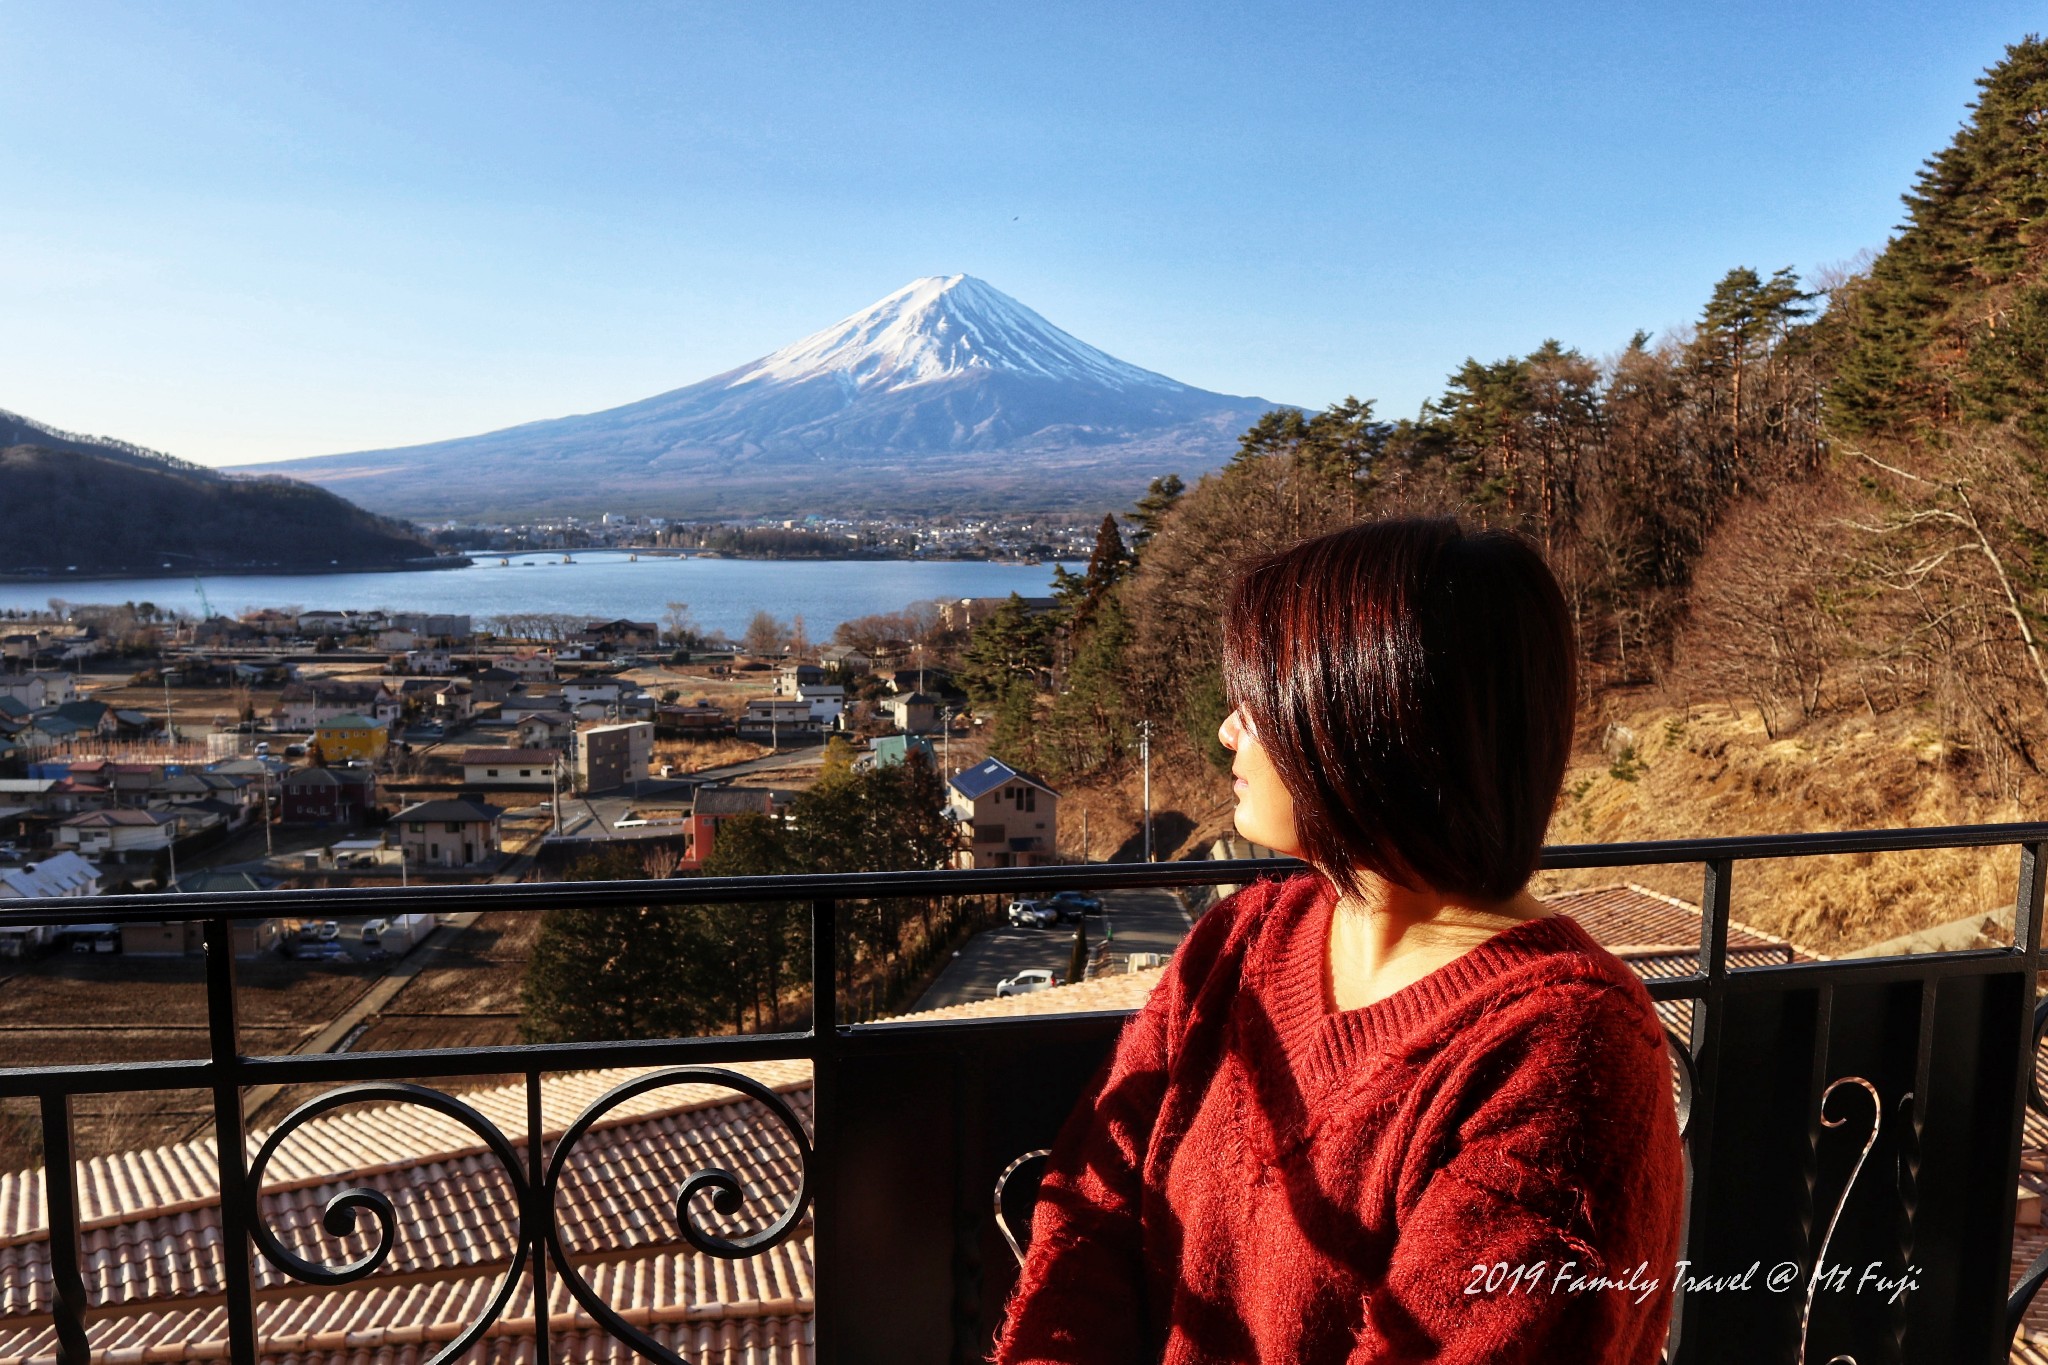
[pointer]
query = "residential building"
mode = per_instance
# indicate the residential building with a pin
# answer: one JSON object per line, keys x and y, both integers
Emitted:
{"x": 163, "y": 938}
{"x": 448, "y": 833}
{"x": 509, "y": 767}
{"x": 250, "y": 937}
{"x": 538, "y": 666}
{"x": 37, "y": 690}
{"x": 713, "y": 807}
{"x": 432, "y": 625}
{"x": 604, "y": 691}
{"x": 964, "y": 613}
{"x": 623, "y": 634}
{"x": 1005, "y": 818}
{"x": 790, "y": 679}
{"x": 700, "y": 718}
{"x": 890, "y": 751}
{"x": 607, "y": 757}
{"x": 58, "y": 875}
{"x": 428, "y": 661}
{"x": 118, "y": 833}
{"x": 303, "y": 705}
{"x": 495, "y": 684}
{"x": 544, "y": 729}
{"x": 914, "y": 713}
{"x": 845, "y": 660}
{"x": 776, "y": 720}
{"x": 350, "y": 737}
{"x": 327, "y": 796}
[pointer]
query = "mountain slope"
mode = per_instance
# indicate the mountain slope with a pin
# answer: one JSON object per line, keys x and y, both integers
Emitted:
{"x": 85, "y": 505}
{"x": 946, "y": 394}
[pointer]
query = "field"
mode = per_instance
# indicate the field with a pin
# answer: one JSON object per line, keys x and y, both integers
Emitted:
{"x": 68, "y": 1010}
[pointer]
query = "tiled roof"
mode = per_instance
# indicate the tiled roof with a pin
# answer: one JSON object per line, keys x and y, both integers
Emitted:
{"x": 731, "y": 801}
{"x": 150, "y": 1241}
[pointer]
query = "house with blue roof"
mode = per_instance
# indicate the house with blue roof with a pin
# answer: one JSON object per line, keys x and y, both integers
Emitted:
{"x": 1006, "y": 818}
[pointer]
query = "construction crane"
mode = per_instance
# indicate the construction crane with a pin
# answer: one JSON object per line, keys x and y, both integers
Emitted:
{"x": 205, "y": 607}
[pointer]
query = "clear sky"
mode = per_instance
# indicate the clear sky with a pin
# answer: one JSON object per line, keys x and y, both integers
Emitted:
{"x": 253, "y": 231}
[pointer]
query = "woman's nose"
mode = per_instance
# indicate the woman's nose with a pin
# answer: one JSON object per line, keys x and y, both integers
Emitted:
{"x": 1229, "y": 731}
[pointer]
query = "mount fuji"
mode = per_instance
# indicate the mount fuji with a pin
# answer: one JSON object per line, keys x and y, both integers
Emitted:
{"x": 946, "y": 395}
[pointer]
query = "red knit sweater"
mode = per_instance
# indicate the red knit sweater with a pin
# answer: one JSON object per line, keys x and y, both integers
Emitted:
{"x": 1254, "y": 1178}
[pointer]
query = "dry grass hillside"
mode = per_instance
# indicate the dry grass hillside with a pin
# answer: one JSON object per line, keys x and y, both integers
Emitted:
{"x": 1671, "y": 772}
{"x": 1663, "y": 771}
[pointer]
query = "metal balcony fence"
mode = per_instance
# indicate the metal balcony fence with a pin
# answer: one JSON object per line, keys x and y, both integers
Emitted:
{"x": 1834, "y": 1113}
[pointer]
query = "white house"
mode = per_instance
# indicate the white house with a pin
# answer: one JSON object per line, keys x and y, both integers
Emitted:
{"x": 509, "y": 767}
{"x": 302, "y": 706}
{"x": 535, "y": 667}
{"x": 118, "y": 833}
{"x": 37, "y": 690}
{"x": 1005, "y": 818}
{"x": 603, "y": 691}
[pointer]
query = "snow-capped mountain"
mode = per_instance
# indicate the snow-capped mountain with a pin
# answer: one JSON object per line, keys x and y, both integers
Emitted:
{"x": 938, "y": 328}
{"x": 945, "y": 394}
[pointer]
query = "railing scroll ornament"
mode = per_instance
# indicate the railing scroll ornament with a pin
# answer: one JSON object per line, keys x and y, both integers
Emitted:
{"x": 339, "y": 1217}
{"x": 1820, "y": 1259}
{"x": 727, "y": 1193}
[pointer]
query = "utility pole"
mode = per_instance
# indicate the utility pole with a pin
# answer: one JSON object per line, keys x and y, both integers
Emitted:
{"x": 1145, "y": 757}
{"x": 268, "y": 851}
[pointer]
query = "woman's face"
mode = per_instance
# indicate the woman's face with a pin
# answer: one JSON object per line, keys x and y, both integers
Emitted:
{"x": 1265, "y": 812}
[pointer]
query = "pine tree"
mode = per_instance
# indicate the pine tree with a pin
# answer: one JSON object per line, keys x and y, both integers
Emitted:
{"x": 1009, "y": 646}
{"x": 1160, "y": 496}
{"x": 1977, "y": 223}
{"x": 607, "y": 975}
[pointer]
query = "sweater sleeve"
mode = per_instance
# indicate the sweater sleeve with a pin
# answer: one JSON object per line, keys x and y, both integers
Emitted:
{"x": 1542, "y": 1224}
{"x": 1080, "y": 1298}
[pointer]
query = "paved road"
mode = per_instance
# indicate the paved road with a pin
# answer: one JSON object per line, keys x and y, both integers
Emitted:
{"x": 1132, "y": 921}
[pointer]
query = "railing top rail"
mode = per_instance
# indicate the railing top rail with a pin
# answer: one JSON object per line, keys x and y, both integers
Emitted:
{"x": 531, "y": 896}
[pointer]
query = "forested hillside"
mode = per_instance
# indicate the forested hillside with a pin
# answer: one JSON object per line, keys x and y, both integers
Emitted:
{"x": 1821, "y": 506}
{"x": 86, "y": 505}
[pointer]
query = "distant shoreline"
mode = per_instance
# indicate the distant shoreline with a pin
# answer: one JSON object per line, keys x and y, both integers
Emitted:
{"x": 243, "y": 571}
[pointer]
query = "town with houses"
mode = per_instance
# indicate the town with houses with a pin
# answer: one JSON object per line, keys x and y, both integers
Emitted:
{"x": 244, "y": 758}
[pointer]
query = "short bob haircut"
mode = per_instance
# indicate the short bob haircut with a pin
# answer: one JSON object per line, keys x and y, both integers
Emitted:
{"x": 1413, "y": 682}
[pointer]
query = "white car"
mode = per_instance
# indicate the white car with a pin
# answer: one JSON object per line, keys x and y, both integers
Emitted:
{"x": 1023, "y": 983}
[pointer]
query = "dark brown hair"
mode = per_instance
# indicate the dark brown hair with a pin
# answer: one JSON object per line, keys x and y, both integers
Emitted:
{"x": 1413, "y": 682}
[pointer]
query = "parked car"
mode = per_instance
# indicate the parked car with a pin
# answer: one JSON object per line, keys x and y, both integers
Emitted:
{"x": 1032, "y": 914}
{"x": 1072, "y": 903}
{"x": 1025, "y": 982}
{"x": 374, "y": 931}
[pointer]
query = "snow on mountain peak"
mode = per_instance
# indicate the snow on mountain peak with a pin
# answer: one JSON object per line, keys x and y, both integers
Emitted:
{"x": 937, "y": 328}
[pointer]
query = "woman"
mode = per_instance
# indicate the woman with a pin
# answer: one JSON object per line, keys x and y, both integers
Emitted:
{"x": 1389, "y": 1110}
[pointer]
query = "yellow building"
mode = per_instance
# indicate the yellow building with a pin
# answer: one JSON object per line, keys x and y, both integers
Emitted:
{"x": 345, "y": 737}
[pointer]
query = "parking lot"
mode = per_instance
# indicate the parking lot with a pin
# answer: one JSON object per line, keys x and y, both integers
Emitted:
{"x": 1132, "y": 922}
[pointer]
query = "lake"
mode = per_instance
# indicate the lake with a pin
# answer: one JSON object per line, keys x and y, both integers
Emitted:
{"x": 723, "y": 594}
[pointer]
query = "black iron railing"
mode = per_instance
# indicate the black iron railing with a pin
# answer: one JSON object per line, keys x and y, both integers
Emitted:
{"x": 1835, "y": 1114}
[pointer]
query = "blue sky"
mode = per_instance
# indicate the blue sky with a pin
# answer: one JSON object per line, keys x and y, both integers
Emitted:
{"x": 251, "y": 231}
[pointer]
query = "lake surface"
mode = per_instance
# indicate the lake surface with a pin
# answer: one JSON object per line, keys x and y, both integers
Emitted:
{"x": 723, "y": 594}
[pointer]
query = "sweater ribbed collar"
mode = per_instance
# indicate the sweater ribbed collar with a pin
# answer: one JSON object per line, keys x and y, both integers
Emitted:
{"x": 1326, "y": 1044}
